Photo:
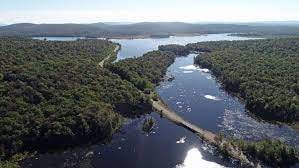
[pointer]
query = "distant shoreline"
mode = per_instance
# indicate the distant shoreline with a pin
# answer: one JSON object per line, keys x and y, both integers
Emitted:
{"x": 125, "y": 37}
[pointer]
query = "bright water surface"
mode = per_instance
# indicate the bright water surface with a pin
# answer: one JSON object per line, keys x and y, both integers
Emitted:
{"x": 195, "y": 95}
{"x": 59, "y": 38}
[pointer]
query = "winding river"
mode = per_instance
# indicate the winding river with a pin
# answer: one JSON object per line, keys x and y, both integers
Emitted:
{"x": 195, "y": 95}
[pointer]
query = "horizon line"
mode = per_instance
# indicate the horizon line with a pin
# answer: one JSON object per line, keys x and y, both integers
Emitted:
{"x": 134, "y": 22}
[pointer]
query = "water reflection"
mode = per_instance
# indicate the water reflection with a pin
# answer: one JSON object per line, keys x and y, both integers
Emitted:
{"x": 194, "y": 67}
{"x": 212, "y": 97}
{"x": 194, "y": 159}
{"x": 59, "y": 38}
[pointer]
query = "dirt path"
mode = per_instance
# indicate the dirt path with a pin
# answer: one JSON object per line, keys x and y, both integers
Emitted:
{"x": 171, "y": 115}
{"x": 208, "y": 136}
{"x": 101, "y": 64}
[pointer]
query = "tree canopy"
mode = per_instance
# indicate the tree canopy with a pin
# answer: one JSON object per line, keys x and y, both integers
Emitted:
{"x": 55, "y": 95}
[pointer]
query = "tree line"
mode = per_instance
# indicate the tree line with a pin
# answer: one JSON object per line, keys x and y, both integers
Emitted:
{"x": 146, "y": 71}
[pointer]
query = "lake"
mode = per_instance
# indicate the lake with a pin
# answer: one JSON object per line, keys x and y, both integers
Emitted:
{"x": 137, "y": 47}
{"x": 195, "y": 95}
{"x": 59, "y": 38}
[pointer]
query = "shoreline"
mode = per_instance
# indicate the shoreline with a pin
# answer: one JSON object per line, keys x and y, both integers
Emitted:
{"x": 293, "y": 125}
{"x": 221, "y": 143}
{"x": 125, "y": 37}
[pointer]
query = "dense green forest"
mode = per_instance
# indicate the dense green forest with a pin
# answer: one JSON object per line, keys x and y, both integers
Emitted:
{"x": 177, "y": 49}
{"x": 272, "y": 153}
{"x": 54, "y": 95}
{"x": 144, "y": 71}
{"x": 262, "y": 72}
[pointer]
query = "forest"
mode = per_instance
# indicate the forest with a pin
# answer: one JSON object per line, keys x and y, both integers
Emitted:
{"x": 262, "y": 72}
{"x": 55, "y": 95}
{"x": 146, "y": 71}
{"x": 145, "y": 29}
{"x": 176, "y": 49}
{"x": 272, "y": 153}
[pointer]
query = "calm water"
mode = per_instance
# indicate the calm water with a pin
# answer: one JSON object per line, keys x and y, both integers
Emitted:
{"x": 195, "y": 95}
{"x": 132, "y": 148}
{"x": 59, "y": 38}
{"x": 137, "y": 47}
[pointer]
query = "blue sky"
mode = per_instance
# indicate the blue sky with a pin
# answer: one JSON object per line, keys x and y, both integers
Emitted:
{"x": 87, "y": 11}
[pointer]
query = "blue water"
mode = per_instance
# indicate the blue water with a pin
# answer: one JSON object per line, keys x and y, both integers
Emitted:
{"x": 137, "y": 47}
{"x": 196, "y": 96}
{"x": 59, "y": 38}
{"x": 131, "y": 148}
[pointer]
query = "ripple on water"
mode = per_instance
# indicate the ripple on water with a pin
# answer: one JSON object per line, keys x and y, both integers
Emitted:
{"x": 194, "y": 67}
{"x": 182, "y": 140}
{"x": 241, "y": 125}
{"x": 212, "y": 97}
{"x": 186, "y": 72}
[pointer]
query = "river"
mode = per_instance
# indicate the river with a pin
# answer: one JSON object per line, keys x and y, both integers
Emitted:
{"x": 195, "y": 95}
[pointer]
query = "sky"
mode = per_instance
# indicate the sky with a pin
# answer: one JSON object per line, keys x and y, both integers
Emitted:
{"x": 90, "y": 11}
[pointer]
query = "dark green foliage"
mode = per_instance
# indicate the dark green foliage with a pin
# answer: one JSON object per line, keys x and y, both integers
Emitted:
{"x": 273, "y": 153}
{"x": 161, "y": 35}
{"x": 144, "y": 71}
{"x": 155, "y": 96}
{"x": 148, "y": 125}
{"x": 177, "y": 49}
{"x": 13, "y": 162}
{"x": 55, "y": 95}
{"x": 263, "y": 72}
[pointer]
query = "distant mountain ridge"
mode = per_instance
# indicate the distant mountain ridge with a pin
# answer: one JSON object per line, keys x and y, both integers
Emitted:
{"x": 143, "y": 29}
{"x": 281, "y": 23}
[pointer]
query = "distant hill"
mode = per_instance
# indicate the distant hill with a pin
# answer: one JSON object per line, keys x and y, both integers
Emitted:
{"x": 144, "y": 29}
{"x": 278, "y": 23}
{"x": 118, "y": 23}
{"x": 179, "y": 28}
{"x": 28, "y": 29}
